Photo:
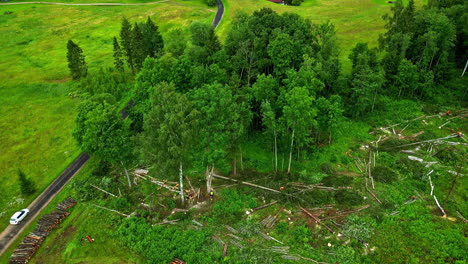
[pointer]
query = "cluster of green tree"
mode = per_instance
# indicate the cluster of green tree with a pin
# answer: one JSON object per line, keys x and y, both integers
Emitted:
{"x": 277, "y": 77}
{"x": 275, "y": 74}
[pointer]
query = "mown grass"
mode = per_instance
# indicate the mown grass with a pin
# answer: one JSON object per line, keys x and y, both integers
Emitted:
{"x": 355, "y": 20}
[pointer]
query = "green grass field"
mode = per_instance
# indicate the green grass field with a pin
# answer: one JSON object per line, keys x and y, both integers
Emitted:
{"x": 37, "y": 115}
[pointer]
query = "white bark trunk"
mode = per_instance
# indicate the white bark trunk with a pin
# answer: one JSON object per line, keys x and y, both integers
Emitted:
{"x": 181, "y": 183}
{"x": 276, "y": 154}
{"x": 290, "y": 152}
{"x": 128, "y": 177}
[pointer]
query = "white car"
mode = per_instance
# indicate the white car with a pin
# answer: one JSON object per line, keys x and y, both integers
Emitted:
{"x": 19, "y": 216}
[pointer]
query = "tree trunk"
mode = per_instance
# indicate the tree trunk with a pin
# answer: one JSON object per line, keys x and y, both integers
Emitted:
{"x": 235, "y": 165}
{"x": 126, "y": 173}
{"x": 290, "y": 152}
{"x": 276, "y": 153}
{"x": 241, "y": 160}
{"x": 181, "y": 179}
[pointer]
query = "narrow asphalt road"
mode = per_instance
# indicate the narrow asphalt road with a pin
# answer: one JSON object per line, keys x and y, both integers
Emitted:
{"x": 219, "y": 14}
{"x": 12, "y": 231}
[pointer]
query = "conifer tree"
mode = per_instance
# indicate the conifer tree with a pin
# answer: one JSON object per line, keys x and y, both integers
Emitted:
{"x": 153, "y": 40}
{"x": 126, "y": 42}
{"x": 76, "y": 61}
{"x": 138, "y": 47}
{"x": 118, "y": 62}
{"x": 27, "y": 186}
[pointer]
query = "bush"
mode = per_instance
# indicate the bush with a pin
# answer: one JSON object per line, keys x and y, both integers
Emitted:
{"x": 27, "y": 185}
{"x": 384, "y": 174}
{"x": 348, "y": 198}
{"x": 232, "y": 205}
{"x": 211, "y": 3}
{"x": 327, "y": 168}
{"x": 336, "y": 181}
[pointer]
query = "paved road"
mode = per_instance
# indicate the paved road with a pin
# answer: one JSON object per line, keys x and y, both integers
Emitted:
{"x": 85, "y": 4}
{"x": 219, "y": 14}
{"x": 12, "y": 231}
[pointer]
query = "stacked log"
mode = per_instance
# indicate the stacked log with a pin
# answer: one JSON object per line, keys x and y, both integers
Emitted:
{"x": 66, "y": 204}
{"x": 45, "y": 225}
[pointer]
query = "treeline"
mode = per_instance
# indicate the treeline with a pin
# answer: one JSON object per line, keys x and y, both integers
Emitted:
{"x": 196, "y": 102}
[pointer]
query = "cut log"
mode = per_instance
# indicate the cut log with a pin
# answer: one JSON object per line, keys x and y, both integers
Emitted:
{"x": 246, "y": 183}
{"x": 317, "y": 220}
{"x": 102, "y": 190}
{"x": 261, "y": 207}
{"x": 225, "y": 249}
{"x": 115, "y": 211}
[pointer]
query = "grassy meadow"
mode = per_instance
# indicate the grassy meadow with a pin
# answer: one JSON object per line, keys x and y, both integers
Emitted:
{"x": 37, "y": 113}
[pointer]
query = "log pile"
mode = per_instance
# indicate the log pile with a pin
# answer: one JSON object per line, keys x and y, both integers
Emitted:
{"x": 33, "y": 240}
{"x": 177, "y": 261}
{"x": 66, "y": 204}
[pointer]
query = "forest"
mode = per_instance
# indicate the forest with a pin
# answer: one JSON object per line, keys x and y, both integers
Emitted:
{"x": 263, "y": 148}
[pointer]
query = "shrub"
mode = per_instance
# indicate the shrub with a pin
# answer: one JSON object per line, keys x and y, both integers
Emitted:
{"x": 327, "y": 168}
{"x": 384, "y": 174}
{"x": 27, "y": 185}
{"x": 336, "y": 181}
{"x": 232, "y": 205}
{"x": 349, "y": 198}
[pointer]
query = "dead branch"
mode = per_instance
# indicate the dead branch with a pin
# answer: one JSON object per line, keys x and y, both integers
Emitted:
{"x": 112, "y": 210}
{"x": 162, "y": 184}
{"x": 245, "y": 183}
{"x": 317, "y": 220}
{"x": 111, "y": 194}
{"x": 167, "y": 222}
{"x": 440, "y": 207}
{"x": 461, "y": 217}
{"x": 261, "y": 207}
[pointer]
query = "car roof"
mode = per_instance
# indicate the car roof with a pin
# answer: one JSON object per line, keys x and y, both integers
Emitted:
{"x": 16, "y": 215}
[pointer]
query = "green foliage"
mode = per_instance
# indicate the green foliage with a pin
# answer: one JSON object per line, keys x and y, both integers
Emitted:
{"x": 105, "y": 81}
{"x": 384, "y": 174}
{"x": 100, "y": 130}
{"x": 27, "y": 185}
{"x": 76, "y": 61}
{"x": 231, "y": 205}
{"x": 118, "y": 53}
{"x": 210, "y": 3}
{"x": 337, "y": 181}
{"x": 170, "y": 125}
{"x": 160, "y": 244}
{"x": 348, "y": 198}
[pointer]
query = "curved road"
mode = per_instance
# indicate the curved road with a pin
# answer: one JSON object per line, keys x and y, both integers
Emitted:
{"x": 12, "y": 231}
{"x": 219, "y": 14}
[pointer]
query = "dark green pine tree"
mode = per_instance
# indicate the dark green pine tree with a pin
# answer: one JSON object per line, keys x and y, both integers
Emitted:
{"x": 118, "y": 62}
{"x": 76, "y": 61}
{"x": 27, "y": 186}
{"x": 152, "y": 38}
{"x": 126, "y": 42}
{"x": 138, "y": 47}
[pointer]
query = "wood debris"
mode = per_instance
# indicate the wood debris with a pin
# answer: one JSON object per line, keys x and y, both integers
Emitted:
{"x": 177, "y": 261}
{"x": 261, "y": 207}
{"x": 317, "y": 220}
